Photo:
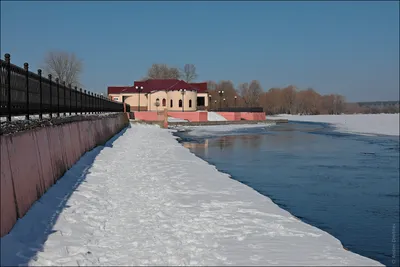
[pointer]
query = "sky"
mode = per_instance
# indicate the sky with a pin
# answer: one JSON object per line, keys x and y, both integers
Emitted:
{"x": 343, "y": 47}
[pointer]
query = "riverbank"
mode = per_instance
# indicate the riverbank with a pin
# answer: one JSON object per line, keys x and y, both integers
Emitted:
{"x": 144, "y": 199}
{"x": 373, "y": 124}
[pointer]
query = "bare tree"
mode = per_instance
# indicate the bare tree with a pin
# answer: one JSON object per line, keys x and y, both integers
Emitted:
{"x": 339, "y": 104}
{"x": 189, "y": 73}
{"x": 162, "y": 71}
{"x": 289, "y": 98}
{"x": 64, "y": 66}
{"x": 251, "y": 93}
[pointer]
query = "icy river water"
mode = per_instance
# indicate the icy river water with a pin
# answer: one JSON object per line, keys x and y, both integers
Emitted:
{"x": 344, "y": 184}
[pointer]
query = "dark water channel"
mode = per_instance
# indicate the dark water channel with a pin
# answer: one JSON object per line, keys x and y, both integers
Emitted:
{"x": 344, "y": 184}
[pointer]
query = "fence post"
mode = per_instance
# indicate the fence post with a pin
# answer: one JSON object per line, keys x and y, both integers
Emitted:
{"x": 40, "y": 95}
{"x": 65, "y": 99}
{"x": 80, "y": 89}
{"x": 76, "y": 100}
{"x": 70, "y": 98}
{"x": 26, "y": 68}
{"x": 88, "y": 102}
{"x": 92, "y": 103}
{"x": 95, "y": 103}
{"x": 85, "y": 107}
{"x": 58, "y": 97}
{"x": 51, "y": 98}
{"x": 8, "y": 61}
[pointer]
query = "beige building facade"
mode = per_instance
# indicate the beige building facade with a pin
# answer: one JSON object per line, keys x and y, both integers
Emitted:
{"x": 157, "y": 95}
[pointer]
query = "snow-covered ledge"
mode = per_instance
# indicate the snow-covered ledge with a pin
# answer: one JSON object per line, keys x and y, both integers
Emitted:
{"x": 147, "y": 200}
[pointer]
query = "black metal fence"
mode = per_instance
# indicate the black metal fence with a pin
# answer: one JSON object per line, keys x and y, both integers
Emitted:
{"x": 26, "y": 93}
{"x": 239, "y": 109}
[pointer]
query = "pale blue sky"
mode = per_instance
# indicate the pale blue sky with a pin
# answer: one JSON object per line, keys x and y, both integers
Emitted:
{"x": 351, "y": 48}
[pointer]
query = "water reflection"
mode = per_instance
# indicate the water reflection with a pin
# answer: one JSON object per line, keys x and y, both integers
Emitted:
{"x": 347, "y": 185}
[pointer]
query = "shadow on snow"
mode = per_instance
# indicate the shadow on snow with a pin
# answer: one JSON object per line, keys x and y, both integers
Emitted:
{"x": 30, "y": 233}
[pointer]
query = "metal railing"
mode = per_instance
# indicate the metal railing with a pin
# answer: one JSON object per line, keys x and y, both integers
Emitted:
{"x": 23, "y": 92}
{"x": 238, "y": 109}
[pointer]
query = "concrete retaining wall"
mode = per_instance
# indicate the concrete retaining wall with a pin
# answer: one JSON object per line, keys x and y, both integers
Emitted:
{"x": 187, "y": 115}
{"x": 253, "y": 116}
{"x": 148, "y": 116}
{"x": 33, "y": 160}
{"x": 231, "y": 116}
{"x": 190, "y": 116}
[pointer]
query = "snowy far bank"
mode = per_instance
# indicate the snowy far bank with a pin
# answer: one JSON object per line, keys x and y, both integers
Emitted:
{"x": 146, "y": 200}
{"x": 386, "y": 124}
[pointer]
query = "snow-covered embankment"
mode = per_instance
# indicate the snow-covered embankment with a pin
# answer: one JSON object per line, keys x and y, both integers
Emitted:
{"x": 385, "y": 124}
{"x": 148, "y": 201}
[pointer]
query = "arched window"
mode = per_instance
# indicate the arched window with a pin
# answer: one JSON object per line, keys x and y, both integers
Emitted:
{"x": 171, "y": 103}
{"x": 164, "y": 102}
{"x": 190, "y": 103}
{"x": 180, "y": 103}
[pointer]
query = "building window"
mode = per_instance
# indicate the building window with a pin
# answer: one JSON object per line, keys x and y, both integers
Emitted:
{"x": 115, "y": 98}
{"x": 190, "y": 103}
{"x": 180, "y": 103}
{"x": 171, "y": 103}
{"x": 164, "y": 102}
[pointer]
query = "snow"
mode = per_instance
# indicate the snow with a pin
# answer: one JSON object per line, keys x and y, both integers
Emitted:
{"x": 172, "y": 119}
{"x": 376, "y": 124}
{"x": 143, "y": 199}
{"x": 214, "y": 116}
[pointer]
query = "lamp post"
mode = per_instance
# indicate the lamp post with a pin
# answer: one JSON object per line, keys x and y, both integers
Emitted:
{"x": 139, "y": 88}
{"x": 235, "y": 101}
{"x": 209, "y": 102}
{"x": 221, "y": 93}
{"x": 183, "y": 92}
{"x": 224, "y": 102}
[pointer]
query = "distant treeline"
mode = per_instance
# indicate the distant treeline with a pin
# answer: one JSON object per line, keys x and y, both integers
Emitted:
{"x": 373, "y": 107}
{"x": 289, "y": 100}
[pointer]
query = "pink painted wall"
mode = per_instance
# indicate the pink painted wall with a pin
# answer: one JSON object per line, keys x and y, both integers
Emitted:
{"x": 253, "y": 116}
{"x": 230, "y": 116}
{"x": 32, "y": 161}
{"x": 148, "y": 116}
{"x": 190, "y": 116}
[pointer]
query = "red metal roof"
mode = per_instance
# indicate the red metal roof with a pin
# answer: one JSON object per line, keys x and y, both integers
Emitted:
{"x": 117, "y": 89}
{"x": 202, "y": 87}
{"x": 158, "y": 85}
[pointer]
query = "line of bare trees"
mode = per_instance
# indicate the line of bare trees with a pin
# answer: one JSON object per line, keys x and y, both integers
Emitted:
{"x": 290, "y": 100}
{"x": 163, "y": 71}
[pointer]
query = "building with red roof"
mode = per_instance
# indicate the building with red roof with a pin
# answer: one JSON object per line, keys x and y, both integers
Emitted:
{"x": 160, "y": 94}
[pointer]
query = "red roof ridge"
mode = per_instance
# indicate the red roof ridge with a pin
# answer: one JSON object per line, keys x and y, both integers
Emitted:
{"x": 173, "y": 84}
